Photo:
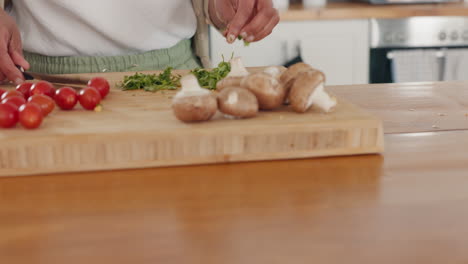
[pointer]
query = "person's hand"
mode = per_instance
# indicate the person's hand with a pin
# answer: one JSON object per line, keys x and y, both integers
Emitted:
{"x": 11, "y": 50}
{"x": 253, "y": 20}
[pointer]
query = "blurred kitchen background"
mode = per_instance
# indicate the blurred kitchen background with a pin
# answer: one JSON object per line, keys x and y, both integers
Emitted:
{"x": 367, "y": 41}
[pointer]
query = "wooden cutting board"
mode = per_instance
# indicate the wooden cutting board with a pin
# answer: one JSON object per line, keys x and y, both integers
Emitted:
{"x": 137, "y": 129}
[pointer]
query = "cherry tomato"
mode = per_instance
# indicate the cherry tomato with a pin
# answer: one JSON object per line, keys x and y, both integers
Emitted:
{"x": 8, "y": 115}
{"x": 25, "y": 89}
{"x": 14, "y": 100}
{"x": 11, "y": 93}
{"x": 66, "y": 98}
{"x": 45, "y": 102}
{"x": 89, "y": 98}
{"x": 30, "y": 115}
{"x": 101, "y": 84}
{"x": 1, "y": 92}
{"x": 43, "y": 87}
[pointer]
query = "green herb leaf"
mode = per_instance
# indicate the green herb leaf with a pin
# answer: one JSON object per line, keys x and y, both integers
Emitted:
{"x": 246, "y": 43}
{"x": 152, "y": 82}
{"x": 209, "y": 79}
{"x": 168, "y": 81}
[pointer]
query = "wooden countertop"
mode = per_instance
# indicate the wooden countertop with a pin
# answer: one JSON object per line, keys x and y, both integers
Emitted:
{"x": 407, "y": 206}
{"x": 355, "y": 10}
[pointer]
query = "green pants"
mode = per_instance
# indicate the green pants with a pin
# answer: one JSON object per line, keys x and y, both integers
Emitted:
{"x": 180, "y": 56}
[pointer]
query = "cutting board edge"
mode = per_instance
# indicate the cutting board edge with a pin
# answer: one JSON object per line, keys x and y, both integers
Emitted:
{"x": 358, "y": 140}
{"x": 377, "y": 150}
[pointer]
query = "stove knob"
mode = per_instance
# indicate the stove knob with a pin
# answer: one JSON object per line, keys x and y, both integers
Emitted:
{"x": 465, "y": 35}
{"x": 442, "y": 36}
{"x": 454, "y": 35}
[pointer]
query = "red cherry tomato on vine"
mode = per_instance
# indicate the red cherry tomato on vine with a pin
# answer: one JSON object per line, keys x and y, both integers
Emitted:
{"x": 89, "y": 98}
{"x": 66, "y": 98}
{"x": 46, "y": 103}
{"x": 43, "y": 87}
{"x": 30, "y": 115}
{"x": 25, "y": 89}
{"x": 14, "y": 100}
{"x": 11, "y": 93}
{"x": 101, "y": 84}
{"x": 8, "y": 115}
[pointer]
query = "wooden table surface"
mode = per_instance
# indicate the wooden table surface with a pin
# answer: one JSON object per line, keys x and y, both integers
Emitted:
{"x": 408, "y": 206}
{"x": 361, "y": 10}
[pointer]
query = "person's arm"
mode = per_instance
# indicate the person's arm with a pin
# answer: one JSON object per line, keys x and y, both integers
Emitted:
{"x": 253, "y": 20}
{"x": 11, "y": 49}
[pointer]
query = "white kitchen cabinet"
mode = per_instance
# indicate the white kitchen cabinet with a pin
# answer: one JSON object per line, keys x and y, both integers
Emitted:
{"x": 340, "y": 48}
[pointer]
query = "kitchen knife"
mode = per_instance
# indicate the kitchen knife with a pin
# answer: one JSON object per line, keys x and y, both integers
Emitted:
{"x": 55, "y": 78}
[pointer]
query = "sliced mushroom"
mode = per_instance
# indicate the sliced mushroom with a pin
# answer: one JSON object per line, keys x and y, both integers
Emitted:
{"x": 235, "y": 76}
{"x": 308, "y": 89}
{"x": 193, "y": 103}
{"x": 237, "y": 102}
{"x": 268, "y": 90}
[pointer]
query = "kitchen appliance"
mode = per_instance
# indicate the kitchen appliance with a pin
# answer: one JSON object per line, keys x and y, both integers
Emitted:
{"x": 415, "y": 33}
{"x": 388, "y": 2}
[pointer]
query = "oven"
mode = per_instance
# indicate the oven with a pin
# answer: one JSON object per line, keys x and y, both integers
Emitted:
{"x": 442, "y": 40}
{"x": 399, "y": 2}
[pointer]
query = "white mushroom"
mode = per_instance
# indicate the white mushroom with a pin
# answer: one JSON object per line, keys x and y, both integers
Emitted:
{"x": 268, "y": 90}
{"x": 235, "y": 76}
{"x": 308, "y": 89}
{"x": 193, "y": 103}
{"x": 237, "y": 102}
{"x": 288, "y": 77}
{"x": 275, "y": 71}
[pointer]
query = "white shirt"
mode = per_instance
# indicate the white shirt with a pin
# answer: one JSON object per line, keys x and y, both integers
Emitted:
{"x": 102, "y": 27}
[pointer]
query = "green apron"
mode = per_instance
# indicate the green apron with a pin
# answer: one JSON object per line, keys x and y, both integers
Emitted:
{"x": 180, "y": 56}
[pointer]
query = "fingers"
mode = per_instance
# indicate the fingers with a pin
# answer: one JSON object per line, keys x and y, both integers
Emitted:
{"x": 16, "y": 51}
{"x": 221, "y": 12}
{"x": 7, "y": 67}
{"x": 2, "y": 78}
{"x": 261, "y": 25}
{"x": 267, "y": 30}
{"x": 10, "y": 53}
{"x": 245, "y": 9}
{"x": 19, "y": 60}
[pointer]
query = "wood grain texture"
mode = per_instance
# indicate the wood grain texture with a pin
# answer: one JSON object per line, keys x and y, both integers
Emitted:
{"x": 406, "y": 207}
{"x": 412, "y": 107}
{"x": 137, "y": 129}
{"x": 354, "y": 10}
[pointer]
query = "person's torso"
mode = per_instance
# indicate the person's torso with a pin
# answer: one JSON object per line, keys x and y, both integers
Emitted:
{"x": 103, "y": 27}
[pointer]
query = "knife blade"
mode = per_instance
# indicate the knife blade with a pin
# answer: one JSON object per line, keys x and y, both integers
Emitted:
{"x": 53, "y": 78}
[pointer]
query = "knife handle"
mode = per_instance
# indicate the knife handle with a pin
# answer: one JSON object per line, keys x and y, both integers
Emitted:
{"x": 26, "y": 76}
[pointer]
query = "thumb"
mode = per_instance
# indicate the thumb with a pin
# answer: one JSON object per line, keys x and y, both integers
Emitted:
{"x": 221, "y": 12}
{"x": 245, "y": 10}
{"x": 15, "y": 49}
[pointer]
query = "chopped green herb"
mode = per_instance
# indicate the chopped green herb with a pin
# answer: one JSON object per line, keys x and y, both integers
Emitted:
{"x": 168, "y": 81}
{"x": 152, "y": 82}
{"x": 246, "y": 43}
{"x": 209, "y": 79}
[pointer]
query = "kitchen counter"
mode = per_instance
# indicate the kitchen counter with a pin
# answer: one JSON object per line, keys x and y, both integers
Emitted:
{"x": 353, "y": 10}
{"x": 406, "y": 206}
